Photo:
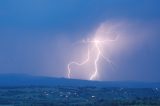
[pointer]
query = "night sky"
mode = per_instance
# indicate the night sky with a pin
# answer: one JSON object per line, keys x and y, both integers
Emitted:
{"x": 39, "y": 37}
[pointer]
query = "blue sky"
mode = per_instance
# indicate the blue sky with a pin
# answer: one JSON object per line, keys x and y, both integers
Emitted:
{"x": 36, "y": 35}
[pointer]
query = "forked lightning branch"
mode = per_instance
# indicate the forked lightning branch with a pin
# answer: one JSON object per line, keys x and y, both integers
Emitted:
{"x": 98, "y": 45}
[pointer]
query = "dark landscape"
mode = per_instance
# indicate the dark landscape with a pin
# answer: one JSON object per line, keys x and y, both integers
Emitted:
{"x": 65, "y": 92}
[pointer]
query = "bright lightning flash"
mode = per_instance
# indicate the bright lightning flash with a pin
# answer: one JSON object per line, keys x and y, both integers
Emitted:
{"x": 97, "y": 45}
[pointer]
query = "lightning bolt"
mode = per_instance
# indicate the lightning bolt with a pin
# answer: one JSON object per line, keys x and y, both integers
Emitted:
{"x": 97, "y": 45}
{"x": 79, "y": 64}
{"x": 95, "y": 63}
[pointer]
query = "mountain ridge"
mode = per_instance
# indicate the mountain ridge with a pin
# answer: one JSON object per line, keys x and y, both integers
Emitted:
{"x": 12, "y": 80}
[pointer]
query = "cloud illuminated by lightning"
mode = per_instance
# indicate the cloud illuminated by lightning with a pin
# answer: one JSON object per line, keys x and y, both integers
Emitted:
{"x": 96, "y": 43}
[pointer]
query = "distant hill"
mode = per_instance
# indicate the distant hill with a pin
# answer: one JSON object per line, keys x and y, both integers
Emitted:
{"x": 13, "y": 80}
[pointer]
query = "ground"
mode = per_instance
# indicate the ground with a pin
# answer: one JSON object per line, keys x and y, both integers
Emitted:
{"x": 78, "y": 96}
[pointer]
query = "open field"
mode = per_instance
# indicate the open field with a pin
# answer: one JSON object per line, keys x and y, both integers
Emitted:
{"x": 78, "y": 96}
